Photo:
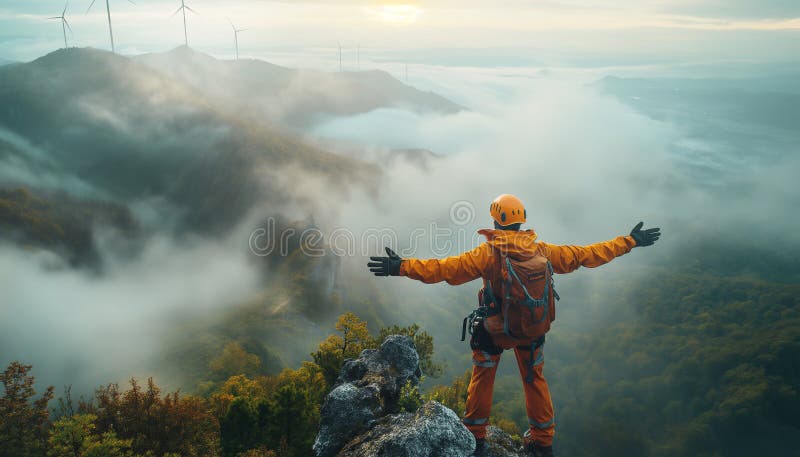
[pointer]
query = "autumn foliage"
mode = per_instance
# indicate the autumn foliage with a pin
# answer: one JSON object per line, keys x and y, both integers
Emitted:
{"x": 244, "y": 414}
{"x": 156, "y": 423}
{"x": 23, "y": 419}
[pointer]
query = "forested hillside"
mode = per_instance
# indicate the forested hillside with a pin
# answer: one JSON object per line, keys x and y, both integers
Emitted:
{"x": 693, "y": 363}
{"x": 237, "y": 413}
{"x": 60, "y": 223}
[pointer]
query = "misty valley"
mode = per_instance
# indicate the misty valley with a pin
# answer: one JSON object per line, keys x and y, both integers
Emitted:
{"x": 139, "y": 194}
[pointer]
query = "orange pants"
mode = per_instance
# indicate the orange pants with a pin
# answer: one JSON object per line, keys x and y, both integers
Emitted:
{"x": 538, "y": 405}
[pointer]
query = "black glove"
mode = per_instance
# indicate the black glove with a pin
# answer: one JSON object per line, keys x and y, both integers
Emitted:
{"x": 645, "y": 237}
{"x": 385, "y": 266}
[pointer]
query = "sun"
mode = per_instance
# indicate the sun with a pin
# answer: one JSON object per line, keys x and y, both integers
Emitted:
{"x": 400, "y": 14}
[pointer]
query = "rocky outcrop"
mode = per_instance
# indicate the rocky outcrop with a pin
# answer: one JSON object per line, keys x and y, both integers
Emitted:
{"x": 367, "y": 389}
{"x": 348, "y": 409}
{"x": 361, "y": 418}
{"x": 432, "y": 430}
{"x": 388, "y": 368}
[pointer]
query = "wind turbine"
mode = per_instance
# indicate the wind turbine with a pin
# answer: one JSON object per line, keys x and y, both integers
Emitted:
{"x": 236, "y": 37}
{"x": 183, "y": 8}
{"x": 108, "y": 13}
{"x": 64, "y": 23}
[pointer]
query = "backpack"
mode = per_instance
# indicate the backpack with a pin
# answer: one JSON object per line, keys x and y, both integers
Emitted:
{"x": 527, "y": 307}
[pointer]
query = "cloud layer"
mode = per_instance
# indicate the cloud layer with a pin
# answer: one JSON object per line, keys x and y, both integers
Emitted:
{"x": 587, "y": 165}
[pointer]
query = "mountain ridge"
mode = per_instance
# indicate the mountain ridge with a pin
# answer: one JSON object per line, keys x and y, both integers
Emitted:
{"x": 130, "y": 132}
{"x": 297, "y": 98}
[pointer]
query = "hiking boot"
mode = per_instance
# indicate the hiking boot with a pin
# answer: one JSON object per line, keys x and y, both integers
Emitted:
{"x": 534, "y": 450}
{"x": 481, "y": 448}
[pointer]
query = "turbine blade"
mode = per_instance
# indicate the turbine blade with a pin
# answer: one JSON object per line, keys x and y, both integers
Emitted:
{"x": 65, "y": 22}
{"x": 65, "y": 9}
{"x": 190, "y": 9}
{"x": 132, "y": 2}
{"x": 177, "y": 11}
{"x": 90, "y": 6}
{"x": 54, "y": 17}
{"x": 242, "y": 30}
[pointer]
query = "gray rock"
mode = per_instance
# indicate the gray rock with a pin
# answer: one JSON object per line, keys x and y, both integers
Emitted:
{"x": 502, "y": 445}
{"x": 433, "y": 431}
{"x": 399, "y": 350}
{"x": 368, "y": 387}
{"x": 347, "y": 410}
{"x": 390, "y": 367}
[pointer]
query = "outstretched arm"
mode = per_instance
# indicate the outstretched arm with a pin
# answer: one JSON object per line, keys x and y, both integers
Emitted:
{"x": 455, "y": 269}
{"x": 569, "y": 258}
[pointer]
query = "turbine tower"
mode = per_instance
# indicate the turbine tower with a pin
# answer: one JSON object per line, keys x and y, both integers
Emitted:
{"x": 183, "y": 8}
{"x": 340, "y": 56}
{"x": 236, "y": 37}
{"x": 64, "y": 24}
{"x": 108, "y": 13}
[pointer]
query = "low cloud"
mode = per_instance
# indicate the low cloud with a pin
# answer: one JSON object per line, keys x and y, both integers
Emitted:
{"x": 80, "y": 328}
{"x": 588, "y": 166}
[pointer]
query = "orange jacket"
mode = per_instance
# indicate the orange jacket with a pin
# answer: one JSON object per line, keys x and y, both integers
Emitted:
{"x": 482, "y": 262}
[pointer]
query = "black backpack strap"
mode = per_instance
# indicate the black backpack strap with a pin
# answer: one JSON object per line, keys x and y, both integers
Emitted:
{"x": 552, "y": 281}
{"x": 507, "y": 280}
{"x": 535, "y": 344}
{"x": 468, "y": 321}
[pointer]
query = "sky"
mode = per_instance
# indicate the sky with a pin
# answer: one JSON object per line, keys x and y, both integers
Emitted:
{"x": 305, "y": 33}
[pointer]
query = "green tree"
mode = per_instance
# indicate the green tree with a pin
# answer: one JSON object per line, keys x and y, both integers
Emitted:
{"x": 267, "y": 411}
{"x": 354, "y": 337}
{"x": 75, "y": 436}
{"x": 291, "y": 413}
{"x": 240, "y": 386}
{"x": 410, "y": 399}
{"x": 234, "y": 360}
{"x": 453, "y": 396}
{"x": 294, "y": 417}
{"x": 239, "y": 428}
{"x": 23, "y": 421}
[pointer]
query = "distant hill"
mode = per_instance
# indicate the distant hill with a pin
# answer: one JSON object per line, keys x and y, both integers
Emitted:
{"x": 297, "y": 98}
{"x": 5, "y": 61}
{"x": 101, "y": 124}
{"x": 59, "y": 223}
{"x": 204, "y": 136}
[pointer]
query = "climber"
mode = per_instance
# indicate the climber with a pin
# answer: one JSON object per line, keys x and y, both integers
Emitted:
{"x": 496, "y": 261}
